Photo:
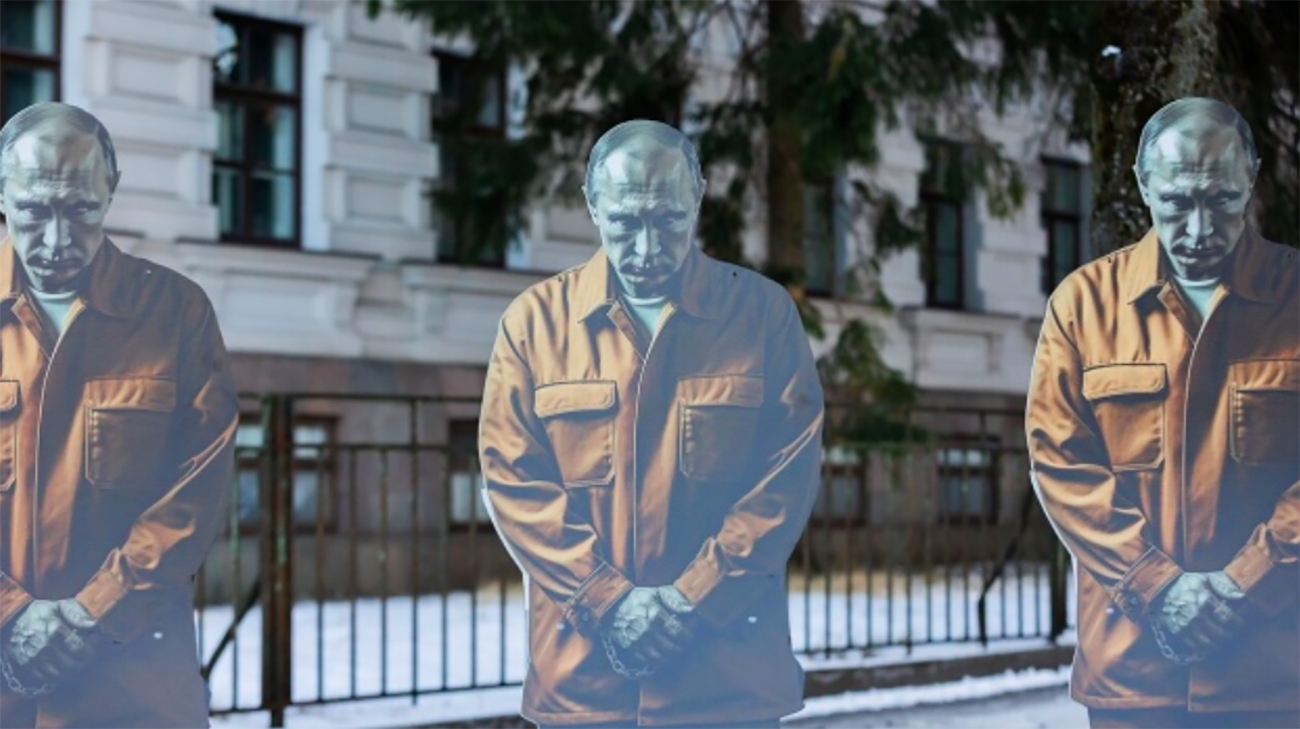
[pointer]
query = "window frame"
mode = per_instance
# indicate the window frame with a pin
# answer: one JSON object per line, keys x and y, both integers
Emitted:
{"x": 248, "y": 458}
{"x": 246, "y": 98}
{"x": 469, "y": 69}
{"x": 1050, "y": 216}
{"x": 932, "y": 197}
{"x": 24, "y": 59}
{"x": 454, "y": 459}
{"x": 991, "y": 446}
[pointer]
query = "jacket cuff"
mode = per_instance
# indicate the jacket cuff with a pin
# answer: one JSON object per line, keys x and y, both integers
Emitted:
{"x": 1265, "y": 587}
{"x": 719, "y": 598}
{"x": 100, "y": 596}
{"x": 1143, "y": 582}
{"x": 13, "y": 599}
{"x": 604, "y": 587}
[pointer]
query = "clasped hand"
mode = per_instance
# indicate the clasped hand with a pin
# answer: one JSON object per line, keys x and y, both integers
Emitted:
{"x": 1200, "y": 611}
{"x": 652, "y": 625}
{"x": 51, "y": 640}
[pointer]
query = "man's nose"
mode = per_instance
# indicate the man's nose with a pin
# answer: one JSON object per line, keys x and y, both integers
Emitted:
{"x": 1200, "y": 223}
{"x": 58, "y": 234}
{"x": 647, "y": 243}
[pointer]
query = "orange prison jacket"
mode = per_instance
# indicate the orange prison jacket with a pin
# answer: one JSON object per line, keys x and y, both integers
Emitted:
{"x": 694, "y": 462}
{"x": 116, "y": 458}
{"x": 1157, "y": 452}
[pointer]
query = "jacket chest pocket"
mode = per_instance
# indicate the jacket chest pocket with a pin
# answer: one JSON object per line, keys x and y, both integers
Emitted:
{"x": 1128, "y": 401}
{"x": 579, "y": 420}
{"x": 9, "y": 411}
{"x": 718, "y": 417}
{"x": 1265, "y": 411}
{"x": 127, "y": 423}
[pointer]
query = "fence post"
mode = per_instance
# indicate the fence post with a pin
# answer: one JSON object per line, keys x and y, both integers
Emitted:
{"x": 276, "y": 501}
{"x": 1058, "y": 576}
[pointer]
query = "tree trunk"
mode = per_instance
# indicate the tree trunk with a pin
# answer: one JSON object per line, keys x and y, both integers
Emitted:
{"x": 1167, "y": 51}
{"x": 784, "y": 143}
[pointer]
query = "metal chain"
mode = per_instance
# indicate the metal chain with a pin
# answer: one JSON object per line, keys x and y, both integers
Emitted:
{"x": 619, "y": 667}
{"x": 15, "y": 684}
{"x": 1169, "y": 652}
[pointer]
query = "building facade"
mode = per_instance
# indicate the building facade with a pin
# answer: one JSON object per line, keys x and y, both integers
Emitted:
{"x": 278, "y": 152}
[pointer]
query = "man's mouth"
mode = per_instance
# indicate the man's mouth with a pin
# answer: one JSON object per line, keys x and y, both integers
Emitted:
{"x": 61, "y": 266}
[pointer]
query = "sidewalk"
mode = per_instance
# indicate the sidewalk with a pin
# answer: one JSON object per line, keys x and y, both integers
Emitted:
{"x": 1041, "y": 709}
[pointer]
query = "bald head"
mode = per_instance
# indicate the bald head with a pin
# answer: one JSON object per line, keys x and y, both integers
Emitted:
{"x": 1194, "y": 122}
{"x": 54, "y": 124}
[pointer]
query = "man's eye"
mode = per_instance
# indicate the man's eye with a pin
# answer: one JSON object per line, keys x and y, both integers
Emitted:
{"x": 628, "y": 223}
{"x": 668, "y": 221}
{"x": 1178, "y": 203}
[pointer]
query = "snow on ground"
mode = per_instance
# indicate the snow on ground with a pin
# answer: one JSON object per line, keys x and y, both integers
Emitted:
{"x": 393, "y": 713}
{"x": 390, "y": 645}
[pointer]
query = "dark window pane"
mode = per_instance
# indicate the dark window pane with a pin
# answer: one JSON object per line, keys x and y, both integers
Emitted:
{"x": 490, "y": 113}
{"x": 272, "y": 60}
{"x": 274, "y": 131}
{"x": 946, "y": 238}
{"x": 28, "y": 26}
{"x": 1062, "y": 188}
{"x": 947, "y": 284}
{"x": 1065, "y": 238}
{"x": 819, "y": 237}
{"x": 273, "y": 205}
{"x": 228, "y": 196}
{"x": 22, "y": 87}
{"x": 230, "y": 131}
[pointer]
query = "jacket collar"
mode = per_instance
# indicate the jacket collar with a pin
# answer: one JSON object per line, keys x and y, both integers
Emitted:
{"x": 595, "y": 286}
{"x": 1245, "y": 275}
{"x": 107, "y": 290}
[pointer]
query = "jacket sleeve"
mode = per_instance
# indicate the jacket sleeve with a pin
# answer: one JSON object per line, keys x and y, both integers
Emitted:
{"x": 1266, "y": 568}
{"x": 169, "y": 541}
{"x": 553, "y": 546}
{"x": 1071, "y": 474}
{"x": 759, "y": 532}
{"x": 13, "y": 599}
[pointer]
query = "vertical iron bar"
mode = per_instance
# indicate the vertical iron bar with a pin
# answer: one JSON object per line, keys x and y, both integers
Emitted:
{"x": 414, "y": 427}
{"x": 353, "y": 557}
{"x": 322, "y": 492}
{"x": 383, "y": 570}
{"x": 474, "y": 585}
{"x": 870, "y": 544}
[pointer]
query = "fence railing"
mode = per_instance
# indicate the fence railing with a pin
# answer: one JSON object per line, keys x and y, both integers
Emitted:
{"x": 358, "y": 561}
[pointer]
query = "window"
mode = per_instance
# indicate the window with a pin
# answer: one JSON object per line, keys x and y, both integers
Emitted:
{"x": 314, "y": 471}
{"x": 967, "y": 481}
{"x": 462, "y": 81}
{"x": 466, "y": 482}
{"x": 256, "y": 169}
{"x": 943, "y": 253}
{"x": 1062, "y": 210}
{"x": 841, "y": 499}
{"x": 29, "y": 54}
{"x": 819, "y": 237}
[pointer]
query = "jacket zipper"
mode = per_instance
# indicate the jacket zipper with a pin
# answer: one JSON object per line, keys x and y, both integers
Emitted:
{"x": 636, "y": 417}
{"x": 40, "y": 417}
{"x": 1214, "y": 305}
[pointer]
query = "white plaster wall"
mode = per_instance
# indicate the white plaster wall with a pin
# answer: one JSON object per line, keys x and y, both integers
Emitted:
{"x": 365, "y": 286}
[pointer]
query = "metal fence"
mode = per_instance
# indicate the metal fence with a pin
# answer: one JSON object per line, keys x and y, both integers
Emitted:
{"x": 358, "y": 562}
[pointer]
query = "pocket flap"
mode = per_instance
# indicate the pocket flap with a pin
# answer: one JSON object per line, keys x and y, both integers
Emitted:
{"x": 1265, "y": 374}
{"x": 1125, "y": 379}
{"x": 8, "y": 395}
{"x": 131, "y": 393}
{"x": 737, "y": 390}
{"x": 568, "y": 397}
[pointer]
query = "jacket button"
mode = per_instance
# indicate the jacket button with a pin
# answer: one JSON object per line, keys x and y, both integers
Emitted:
{"x": 753, "y": 618}
{"x": 157, "y": 635}
{"x": 1133, "y": 600}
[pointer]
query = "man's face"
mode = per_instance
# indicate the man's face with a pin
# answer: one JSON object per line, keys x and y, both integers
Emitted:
{"x": 56, "y": 195}
{"x": 645, "y": 207}
{"x": 1198, "y": 188}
